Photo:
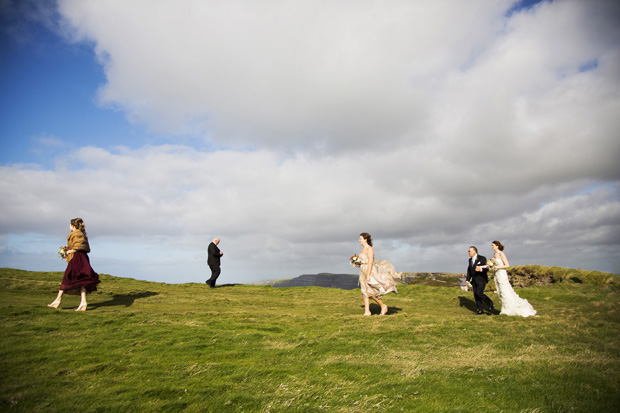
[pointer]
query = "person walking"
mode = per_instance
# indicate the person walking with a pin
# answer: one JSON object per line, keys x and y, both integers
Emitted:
{"x": 477, "y": 276}
{"x": 511, "y": 303}
{"x": 213, "y": 260}
{"x": 377, "y": 277}
{"x": 79, "y": 278}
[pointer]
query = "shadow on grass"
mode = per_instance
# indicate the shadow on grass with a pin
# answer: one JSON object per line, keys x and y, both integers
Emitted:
{"x": 376, "y": 310}
{"x": 122, "y": 299}
{"x": 471, "y": 305}
{"x": 467, "y": 303}
{"x": 226, "y": 285}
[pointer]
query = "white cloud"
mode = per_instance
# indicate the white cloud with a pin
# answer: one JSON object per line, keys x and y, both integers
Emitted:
{"x": 276, "y": 72}
{"x": 431, "y": 125}
{"x": 324, "y": 74}
{"x": 158, "y": 207}
{"x": 48, "y": 141}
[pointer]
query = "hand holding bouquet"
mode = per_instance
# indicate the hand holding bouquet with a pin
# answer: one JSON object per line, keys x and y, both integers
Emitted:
{"x": 355, "y": 260}
{"x": 62, "y": 253}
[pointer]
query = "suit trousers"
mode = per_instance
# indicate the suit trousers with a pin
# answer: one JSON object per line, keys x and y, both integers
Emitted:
{"x": 215, "y": 272}
{"x": 480, "y": 296}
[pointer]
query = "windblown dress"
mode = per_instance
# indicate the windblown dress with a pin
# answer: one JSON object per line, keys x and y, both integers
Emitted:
{"x": 79, "y": 273}
{"x": 382, "y": 277}
{"x": 512, "y": 304}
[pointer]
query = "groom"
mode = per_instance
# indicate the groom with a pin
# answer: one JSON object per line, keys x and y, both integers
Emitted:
{"x": 477, "y": 275}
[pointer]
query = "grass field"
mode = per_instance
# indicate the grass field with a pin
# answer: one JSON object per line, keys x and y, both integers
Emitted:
{"x": 152, "y": 347}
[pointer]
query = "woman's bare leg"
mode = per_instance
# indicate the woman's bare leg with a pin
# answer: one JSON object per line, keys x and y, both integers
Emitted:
{"x": 83, "y": 303}
{"x": 366, "y": 306}
{"x": 384, "y": 308}
{"x": 56, "y": 302}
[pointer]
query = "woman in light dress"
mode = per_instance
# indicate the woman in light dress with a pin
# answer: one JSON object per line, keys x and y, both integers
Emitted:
{"x": 377, "y": 278}
{"x": 512, "y": 304}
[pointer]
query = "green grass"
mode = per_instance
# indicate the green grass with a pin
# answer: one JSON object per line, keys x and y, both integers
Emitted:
{"x": 152, "y": 347}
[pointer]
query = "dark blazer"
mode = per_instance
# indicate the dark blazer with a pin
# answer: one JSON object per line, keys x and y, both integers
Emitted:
{"x": 213, "y": 255}
{"x": 478, "y": 276}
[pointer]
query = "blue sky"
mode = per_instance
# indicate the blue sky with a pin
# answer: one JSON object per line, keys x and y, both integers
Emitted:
{"x": 49, "y": 99}
{"x": 521, "y": 6}
{"x": 287, "y": 131}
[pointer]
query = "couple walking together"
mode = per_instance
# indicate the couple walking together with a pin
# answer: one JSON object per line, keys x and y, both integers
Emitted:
{"x": 477, "y": 275}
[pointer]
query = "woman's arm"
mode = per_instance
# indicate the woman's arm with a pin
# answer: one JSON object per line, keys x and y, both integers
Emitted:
{"x": 371, "y": 260}
{"x": 502, "y": 255}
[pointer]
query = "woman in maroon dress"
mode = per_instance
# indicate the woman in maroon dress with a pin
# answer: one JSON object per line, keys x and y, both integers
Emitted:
{"x": 79, "y": 278}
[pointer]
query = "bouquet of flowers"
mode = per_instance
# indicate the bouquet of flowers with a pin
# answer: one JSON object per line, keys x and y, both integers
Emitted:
{"x": 62, "y": 253}
{"x": 491, "y": 264}
{"x": 355, "y": 260}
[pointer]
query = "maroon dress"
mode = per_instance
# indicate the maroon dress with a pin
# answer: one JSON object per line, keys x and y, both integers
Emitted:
{"x": 79, "y": 273}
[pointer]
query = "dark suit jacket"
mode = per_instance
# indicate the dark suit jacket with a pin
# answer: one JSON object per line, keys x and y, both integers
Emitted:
{"x": 213, "y": 255}
{"x": 478, "y": 276}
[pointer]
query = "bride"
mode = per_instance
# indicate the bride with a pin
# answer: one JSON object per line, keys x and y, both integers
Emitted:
{"x": 512, "y": 304}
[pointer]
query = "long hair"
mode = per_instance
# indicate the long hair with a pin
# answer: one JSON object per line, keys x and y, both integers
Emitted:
{"x": 78, "y": 223}
{"x": 499, "y": 245}
{"x": 367, "y": 237}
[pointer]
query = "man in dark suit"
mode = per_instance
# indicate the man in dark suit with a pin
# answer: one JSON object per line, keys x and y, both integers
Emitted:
{"x": 477, "y": 276}
{"x": 213, "y": 260}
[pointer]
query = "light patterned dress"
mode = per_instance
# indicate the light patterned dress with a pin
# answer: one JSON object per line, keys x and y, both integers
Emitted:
{"x": 382, "y": 277}
{"x": 512, "y": 304}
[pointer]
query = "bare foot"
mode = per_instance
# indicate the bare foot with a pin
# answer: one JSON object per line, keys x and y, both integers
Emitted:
{"x": 82, "y": 307}
{"x": 367, "y": 314}
{"x": 54, "y": 304}
{"x": 384, "y": 310}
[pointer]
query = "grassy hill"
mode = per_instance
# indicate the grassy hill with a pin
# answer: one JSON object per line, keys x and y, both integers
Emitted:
{"x": 153, "y": 347}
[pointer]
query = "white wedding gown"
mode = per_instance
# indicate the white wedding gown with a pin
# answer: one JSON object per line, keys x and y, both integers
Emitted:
{"x": 512, "y": 304}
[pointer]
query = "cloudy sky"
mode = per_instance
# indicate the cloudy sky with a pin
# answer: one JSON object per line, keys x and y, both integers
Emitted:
{"x": 286, "y": 128}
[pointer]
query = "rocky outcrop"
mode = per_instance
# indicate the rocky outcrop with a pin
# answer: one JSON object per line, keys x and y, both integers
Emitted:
{"x": 350, "y": 281}
{"x": 341, "y": 281}
{"x": 437, "y": 279}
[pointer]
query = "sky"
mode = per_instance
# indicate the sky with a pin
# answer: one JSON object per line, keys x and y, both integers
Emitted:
{"x": 287, "y": 128}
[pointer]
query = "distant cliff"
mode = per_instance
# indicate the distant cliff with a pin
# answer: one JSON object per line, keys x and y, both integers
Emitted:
{"x": 350, "y": 281}
{"x": 342, "y": 281}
